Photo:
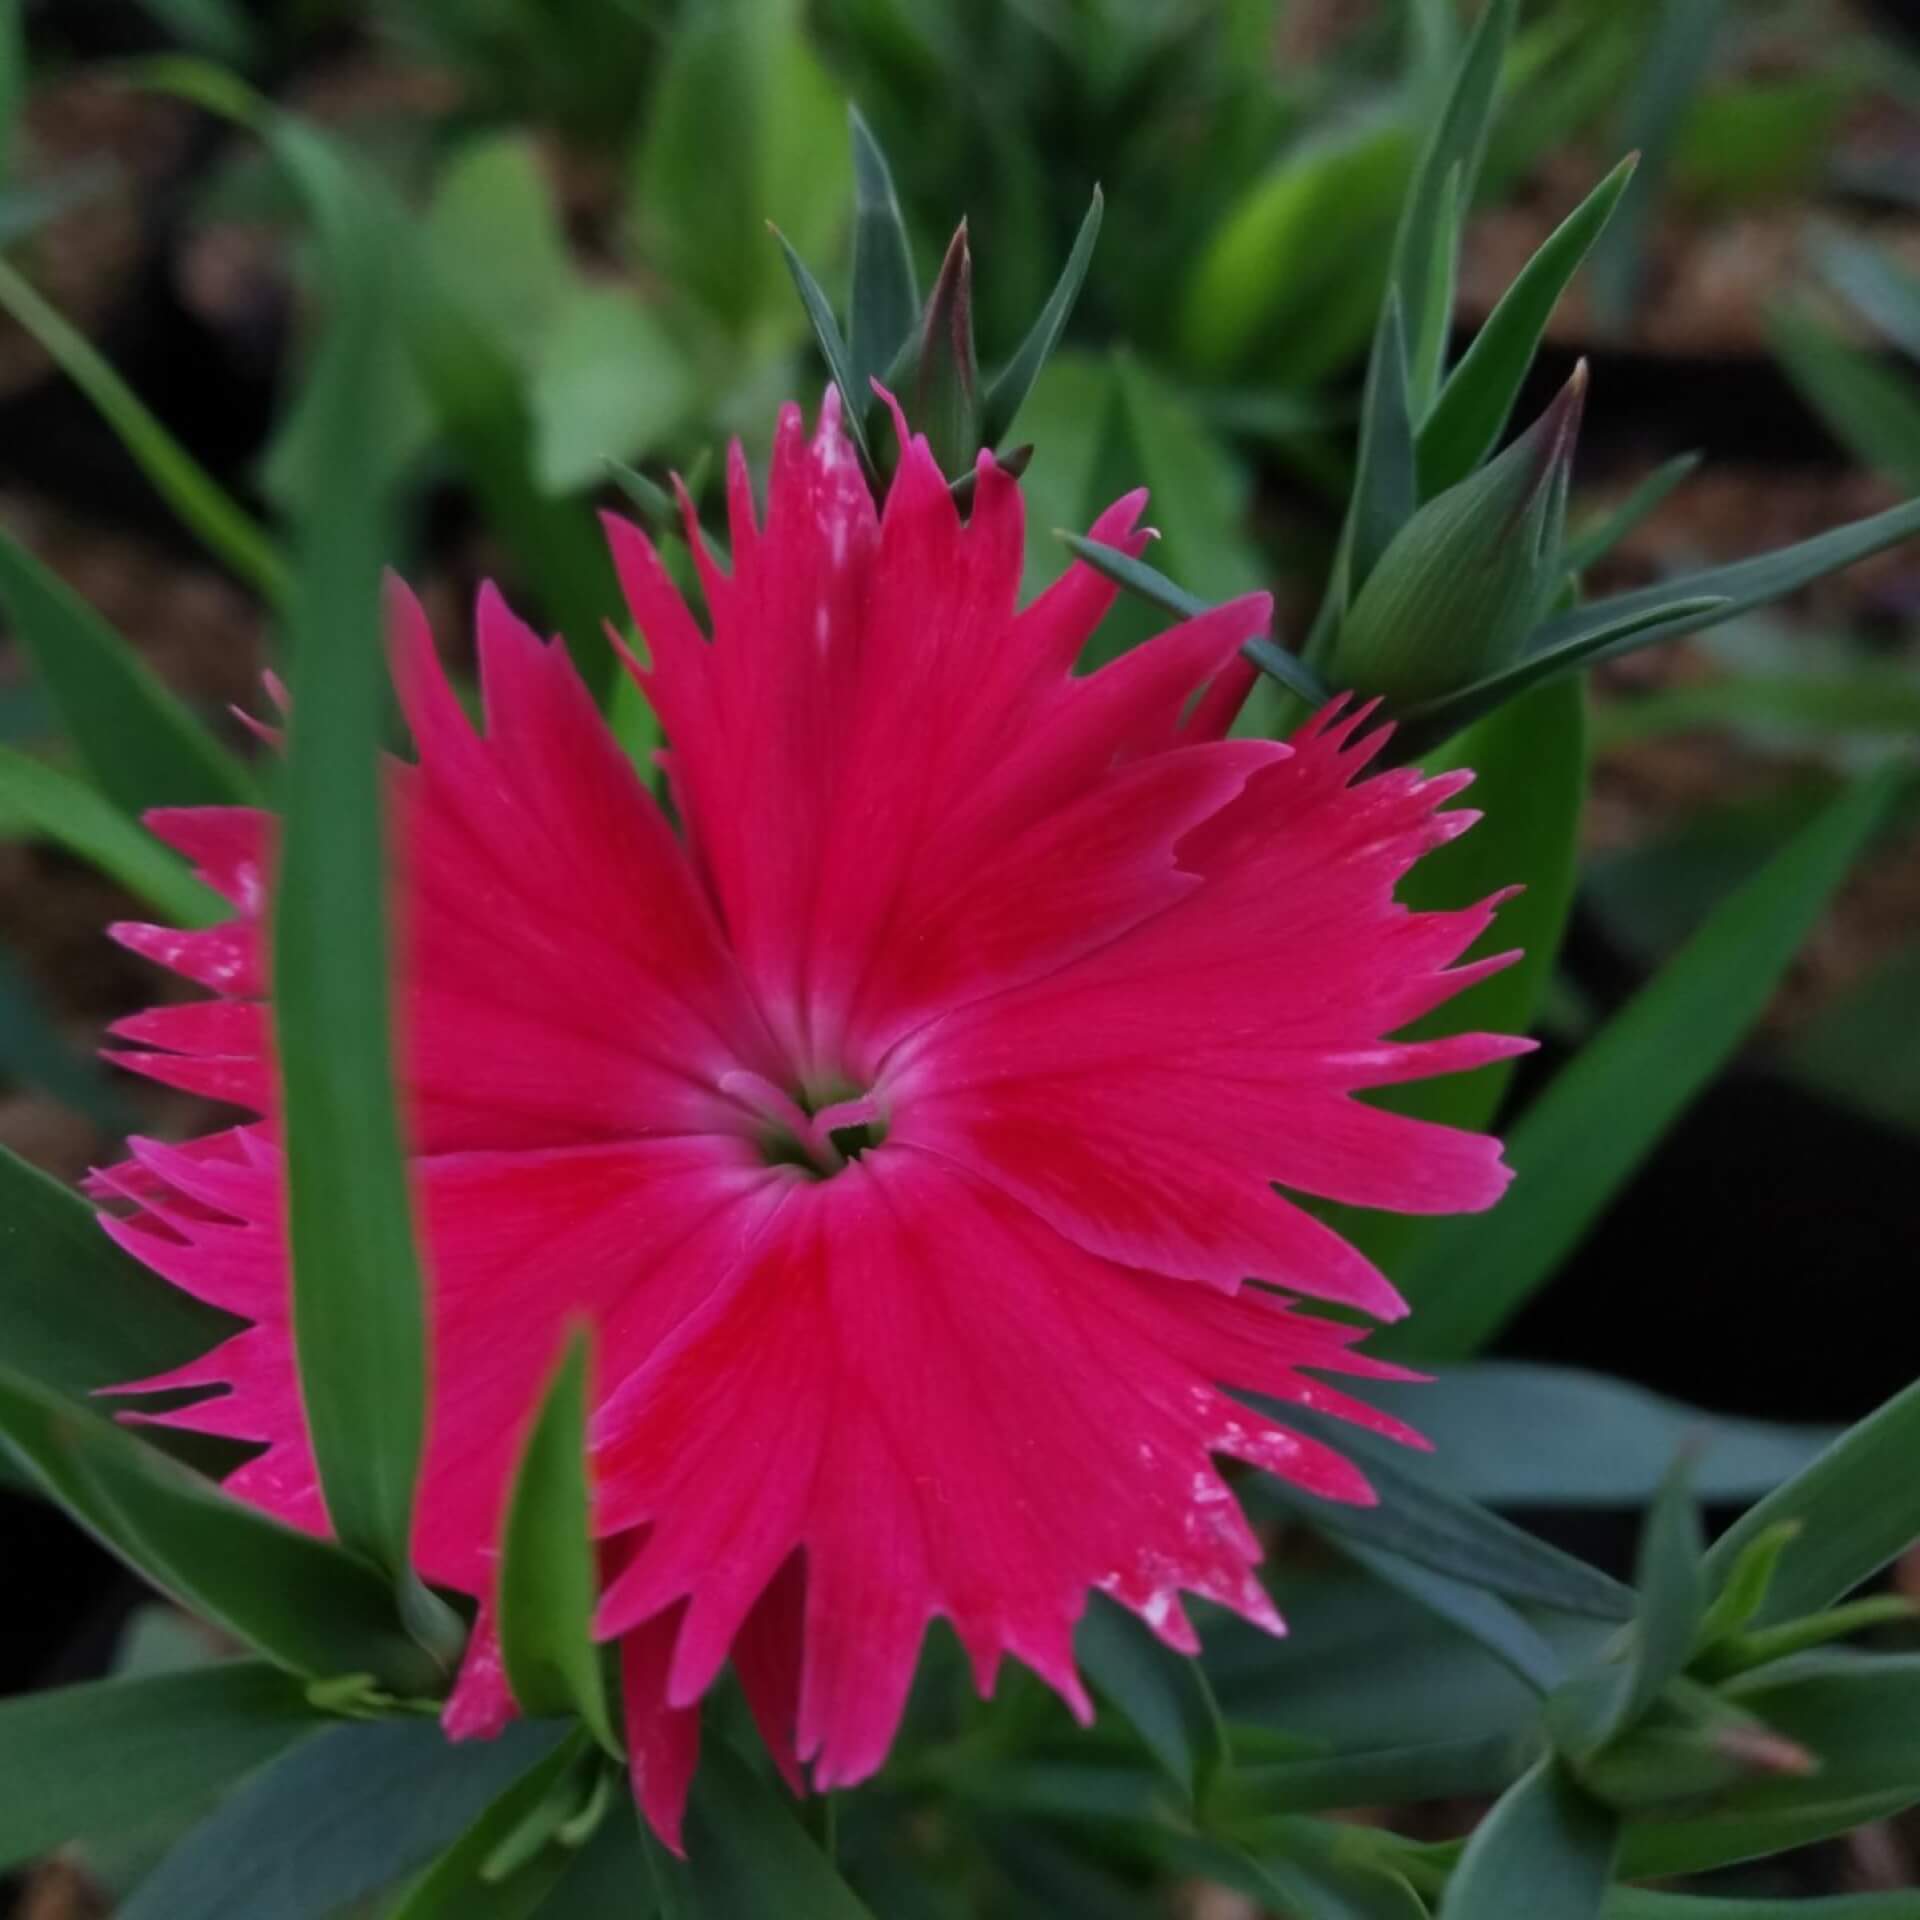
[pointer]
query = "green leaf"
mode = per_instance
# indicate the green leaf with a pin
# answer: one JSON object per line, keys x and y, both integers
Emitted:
{"x": 1427, "y": 725}
{"x": 886, "y": 297}
{"x": 946, "y": 388}
{"x": 703, "y": 204}
{"x": 1638, "y": 1903}
{"x": 1162, "y": 1694}
{"x": 609, "y": 382}
{"x": 1666, "y": 82}
{"x": 1529, "y": 764}
{"x": 1858, "y": 1716}
{"x": 1862, "y": 1048}
{"x": 1872, "y": 408}
{"x": 141, "y": 745}
{"x": 1475, "y": 1610}
{"x": 1673, "y": 1594}
{"x": 227, "y": 531}
{"x": 1267, "y": 281}
{"x": 1872, "y": 700}
{"x": 1857, "y": 1507}
{"x": 1743, "y": 584}
{"x": 79, "y": 1313}
{"x": 1015, "y": 382}
{"x": 1478, "y": 398}
{"x": 1420, "y": 1518}
{"x": 480, "y": 401}
{"x": 1582, "y": 1139}
{"x": 1545, "y": 1851}
{"x": 1599, "y": 537}
{"x": 58, "y": 807}
{"x": 297, "y": 1599}
{"x": 101, "y": 1757}
{"x": 458, "y": 1886}
{"x": 1300, "y": 1866}
{"x": 1517, "y": 1434}
{"x": 547, "y": 1578}
{"x": 1875, "y": 285}
{"x": 1385, "y": 487}
{"x": 217, "y": 27}
{"x": 747, "y": 1856}
{"x": 833, "y": 349}
{"x": 494, "y": 241}
{"x": 1153, "y": 586}
{"x": 1441, "y": 189}
{"x": 1469, "y": 1766}
{"x": 341, "y": 1817}
{"x": 357, "y": 1316}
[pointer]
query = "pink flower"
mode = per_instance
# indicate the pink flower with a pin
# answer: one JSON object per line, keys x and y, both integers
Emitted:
{"x": 906, "y": 1129}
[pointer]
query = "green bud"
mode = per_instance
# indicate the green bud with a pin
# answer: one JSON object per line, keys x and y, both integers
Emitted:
{"x": 1694, "y": 1745}
{"x": 1468, "y": 578}
{"x": 946, "y": 390}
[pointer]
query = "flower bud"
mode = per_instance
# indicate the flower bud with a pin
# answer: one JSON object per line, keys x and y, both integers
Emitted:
{"x": 1467, "y": 579}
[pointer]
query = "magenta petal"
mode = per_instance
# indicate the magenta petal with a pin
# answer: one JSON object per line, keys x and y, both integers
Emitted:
{"x": 878, "y": 1112}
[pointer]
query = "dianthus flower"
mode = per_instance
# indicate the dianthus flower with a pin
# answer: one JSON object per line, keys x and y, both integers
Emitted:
{"x": 907, "y": 1125}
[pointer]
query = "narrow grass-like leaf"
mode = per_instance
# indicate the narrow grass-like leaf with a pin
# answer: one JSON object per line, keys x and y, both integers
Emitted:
{"x": 225, "y": 528}
{"x": 1015, "y": 381}
{"x": 1598, "y": 538}
{"x": 13, "y": 79}
{"x": 1872, "y": 698}
{"x": 886, "y": 297}
{"x": 748, "y": 1858}
{"x": 1516, "y": 1434}
{"x": 1583, "y": 1138}
{"x": 1300, "y": 1866}
{"x": 1875, "y": 285}
{"x": 1432, "y": 722}
{"x": 1152, "y": 585}
{"x": 79, "y": 1313}
{"x": 1857, "y": 1507}
{"x": 141, "y": 745}
{"x": 1546, "y": 1851}
{"x": 1421, "y": 1519}
{"x": 1642, "y": 1903}
{"x": 1478, "y": 398}
{"x": 1385, "y": 487}
{"x": 40, "y": 799}
{"x": 303, "y": 1603}
{"x": 357, "y": 1315}
{"x": 1162, "y": 1694}
{"x": 217, "y": 27}
{"x": 1673, "y": 1593}
{"x": 547, "y": 1583}
{"x": 854, "y": 393}
{"x": 1529, "y": 763}
{"x": 1664, "y": 85}
{"x": 1743, "y": 584}
{"x": 1873, "y": 408}
{"x": 1475, "y": 1610}
{"x": 1443, "y": 183}
{"x": 1470, "y": 1766}
{"x": 463, "y": 1885}
{"x": 101, "y": 1757}
{"x": 339, "y": 1819}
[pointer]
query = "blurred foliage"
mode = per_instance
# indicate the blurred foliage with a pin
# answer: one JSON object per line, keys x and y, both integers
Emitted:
{"x": 1194, "y": 249}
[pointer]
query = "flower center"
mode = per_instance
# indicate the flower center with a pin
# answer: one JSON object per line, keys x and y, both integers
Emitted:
{"x": 818, "y": 1133}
